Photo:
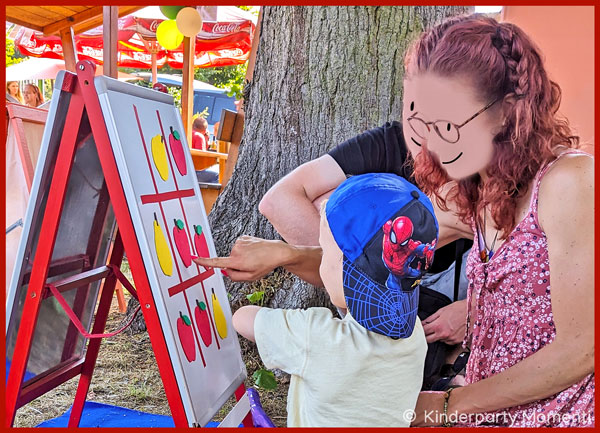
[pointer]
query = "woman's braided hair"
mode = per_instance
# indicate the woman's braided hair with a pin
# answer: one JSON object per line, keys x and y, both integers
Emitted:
{"x": 502, "y": 62}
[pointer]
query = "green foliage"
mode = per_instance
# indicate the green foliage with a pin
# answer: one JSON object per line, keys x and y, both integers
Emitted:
{"x": 226, "y": 77}
{"x": 264, "y": 379}
{"x": 256, "y": 297}
{"x": 12, "y": 55}
{"x": 48, "y": 89}
{"x": 175, "y": 92}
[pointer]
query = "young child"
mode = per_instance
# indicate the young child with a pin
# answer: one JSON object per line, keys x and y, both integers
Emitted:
{"x": 377, "y": 234}
{"x": 199, "y": 134}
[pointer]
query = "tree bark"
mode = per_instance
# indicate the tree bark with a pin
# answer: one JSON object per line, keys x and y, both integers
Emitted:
{"x": 322, "y": 75}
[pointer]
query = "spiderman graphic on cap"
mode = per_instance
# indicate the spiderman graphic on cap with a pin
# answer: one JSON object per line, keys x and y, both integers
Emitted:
{"x": 399, "y": 249}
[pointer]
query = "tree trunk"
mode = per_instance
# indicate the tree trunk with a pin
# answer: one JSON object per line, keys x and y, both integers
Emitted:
{"x": 322, "y": 75}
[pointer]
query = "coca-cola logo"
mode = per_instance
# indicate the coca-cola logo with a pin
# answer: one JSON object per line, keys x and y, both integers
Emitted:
{"x": 226, "y": 28}
{"x": 154, "y": 25}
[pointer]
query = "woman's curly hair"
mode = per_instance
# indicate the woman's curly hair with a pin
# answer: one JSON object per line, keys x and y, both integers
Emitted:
{"x": 501, "y": 61}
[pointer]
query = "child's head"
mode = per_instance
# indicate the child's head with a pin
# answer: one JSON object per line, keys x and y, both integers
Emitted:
{"x": 331, "y": 262}
{"x": 378, "y": 233}
{"x": 200, "y": 124}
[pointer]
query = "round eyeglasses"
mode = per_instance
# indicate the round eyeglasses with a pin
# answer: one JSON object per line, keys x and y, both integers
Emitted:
{"x": 446, "y": 130}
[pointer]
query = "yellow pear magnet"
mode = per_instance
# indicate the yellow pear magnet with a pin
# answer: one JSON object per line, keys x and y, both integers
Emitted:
{"x": 163, "y": 253}
{"x": 159, "y": 155}
{"x": 220, "y": 321}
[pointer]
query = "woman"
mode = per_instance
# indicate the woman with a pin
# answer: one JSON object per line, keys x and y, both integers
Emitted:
{"x": 530, "y": 205}
{"x": 32, "y": 95}
{"x": 482, "y": 112}
{"x": 13, "y": 92}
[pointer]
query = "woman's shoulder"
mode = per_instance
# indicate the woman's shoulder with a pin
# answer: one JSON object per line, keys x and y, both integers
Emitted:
{"x": 567, "y": 187}
{"x": 570, "y": 170}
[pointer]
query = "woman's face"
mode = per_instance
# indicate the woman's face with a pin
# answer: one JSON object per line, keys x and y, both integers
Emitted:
{"x": 29, "y": 96}
{"x": 13, "y": 88}
{"x": 429, "y": 97}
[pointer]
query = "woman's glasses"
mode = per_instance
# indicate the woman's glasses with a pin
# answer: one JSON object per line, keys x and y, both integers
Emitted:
{"x": 448, "y": 131}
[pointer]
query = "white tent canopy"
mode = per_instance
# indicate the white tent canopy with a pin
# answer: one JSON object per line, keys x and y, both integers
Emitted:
{"x": 41, "y": 69}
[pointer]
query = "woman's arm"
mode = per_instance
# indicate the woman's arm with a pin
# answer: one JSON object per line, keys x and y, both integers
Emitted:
{"x": 566, "y": 213}
{"x": 252, "y": 258}
{"x": 290, "y": 205}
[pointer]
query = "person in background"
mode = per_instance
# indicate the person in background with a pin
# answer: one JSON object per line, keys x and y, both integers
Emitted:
{"x": 32, "y": 95}
{"x": 13, "y": 92}
{"x": 200, "y": 134}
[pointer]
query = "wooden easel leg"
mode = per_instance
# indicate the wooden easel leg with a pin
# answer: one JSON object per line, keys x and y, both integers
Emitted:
{"x": 121, "y": 298}
{"x": 98, "y": 328}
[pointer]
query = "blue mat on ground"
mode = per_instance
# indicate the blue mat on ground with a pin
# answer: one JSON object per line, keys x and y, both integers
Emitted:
{"x": 104, "y": 415}
{"x": 28, "y": 375}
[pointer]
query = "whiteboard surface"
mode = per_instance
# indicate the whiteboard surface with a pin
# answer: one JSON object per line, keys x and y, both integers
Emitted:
{"x": 134, "y": 116}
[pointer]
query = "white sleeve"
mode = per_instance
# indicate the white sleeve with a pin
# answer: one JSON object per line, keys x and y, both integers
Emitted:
{"x": 282, "y": 338}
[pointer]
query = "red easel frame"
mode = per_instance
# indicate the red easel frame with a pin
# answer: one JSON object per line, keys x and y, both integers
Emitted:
{"x": 85, "y": 97}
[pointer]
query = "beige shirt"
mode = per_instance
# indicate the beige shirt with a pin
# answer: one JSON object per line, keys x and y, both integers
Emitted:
{"x": 342, "y": 374}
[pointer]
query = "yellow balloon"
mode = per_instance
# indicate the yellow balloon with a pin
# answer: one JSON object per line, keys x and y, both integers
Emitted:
{"x": 168, "y": 35}
{"x": 189, "y": 22}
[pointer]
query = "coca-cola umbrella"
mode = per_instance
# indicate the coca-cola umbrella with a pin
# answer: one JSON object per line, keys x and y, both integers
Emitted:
{"x": 225, "y": 39}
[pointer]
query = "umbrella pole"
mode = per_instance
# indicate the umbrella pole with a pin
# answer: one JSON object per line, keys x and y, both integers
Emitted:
{"x": 154, "y": 67}
{"x": 187, "y": 87}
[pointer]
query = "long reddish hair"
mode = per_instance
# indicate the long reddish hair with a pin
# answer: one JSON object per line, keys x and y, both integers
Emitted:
{"x": 501, "y": 61}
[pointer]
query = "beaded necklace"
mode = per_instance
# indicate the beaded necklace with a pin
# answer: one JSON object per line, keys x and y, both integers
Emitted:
{"x": 486, "y": 253}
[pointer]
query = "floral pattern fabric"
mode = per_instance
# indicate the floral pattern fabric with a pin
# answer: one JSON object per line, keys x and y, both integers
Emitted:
{"x": 512, "y": 318}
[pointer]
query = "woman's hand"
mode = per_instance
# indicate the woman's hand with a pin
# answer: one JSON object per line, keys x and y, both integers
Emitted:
{"x": 429, "y": 410}
{"x": 447, "y": 324}
{"x": 253, "y": 258}
{"x": 250, "y": 258}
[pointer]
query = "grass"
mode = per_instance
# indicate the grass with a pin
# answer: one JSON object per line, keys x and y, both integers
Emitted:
{"x": 126, "y": 375}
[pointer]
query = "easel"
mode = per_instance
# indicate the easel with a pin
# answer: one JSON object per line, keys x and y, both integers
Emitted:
{"x": 84, "y": 106}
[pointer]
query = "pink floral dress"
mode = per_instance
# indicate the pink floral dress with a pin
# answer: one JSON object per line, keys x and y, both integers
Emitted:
{"x": 512, "y": 319}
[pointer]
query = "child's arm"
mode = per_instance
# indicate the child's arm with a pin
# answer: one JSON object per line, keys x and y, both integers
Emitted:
{"x": 243, "y": 321}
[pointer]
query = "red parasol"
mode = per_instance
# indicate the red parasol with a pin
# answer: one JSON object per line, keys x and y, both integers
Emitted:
{"x": 225, "y": 39}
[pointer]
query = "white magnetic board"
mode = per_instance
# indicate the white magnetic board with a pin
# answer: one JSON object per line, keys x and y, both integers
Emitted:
{"x": 160, "y": 185}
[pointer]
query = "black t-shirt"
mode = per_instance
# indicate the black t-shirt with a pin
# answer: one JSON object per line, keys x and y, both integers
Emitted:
{"x": 383, "y": 150}
{"x": 377, "y": 150}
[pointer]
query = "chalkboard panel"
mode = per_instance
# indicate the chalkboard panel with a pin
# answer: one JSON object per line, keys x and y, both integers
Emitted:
{"x": 82, "y": 243}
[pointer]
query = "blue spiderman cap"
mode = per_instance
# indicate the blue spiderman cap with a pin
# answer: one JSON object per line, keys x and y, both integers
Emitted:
{"x": 387, "y": 230}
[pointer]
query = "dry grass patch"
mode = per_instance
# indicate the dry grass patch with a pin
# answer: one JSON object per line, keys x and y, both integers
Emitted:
{"x": 126, "y": 375}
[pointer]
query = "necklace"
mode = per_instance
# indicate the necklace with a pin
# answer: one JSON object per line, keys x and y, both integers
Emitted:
{"x": 487, "y": 252}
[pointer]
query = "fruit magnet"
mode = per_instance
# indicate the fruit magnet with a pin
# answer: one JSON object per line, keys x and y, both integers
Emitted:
{"x": 220, "y": 321}
{"x": 159, "y": 156}
{"x": 200, "y": 242}
{"x": 203, "y": 322}
{"x": 182, "y": 243}
{"x": 186, "y": 337}
{"x": 177, "y": 151}
{"x": 162, "y": 249}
